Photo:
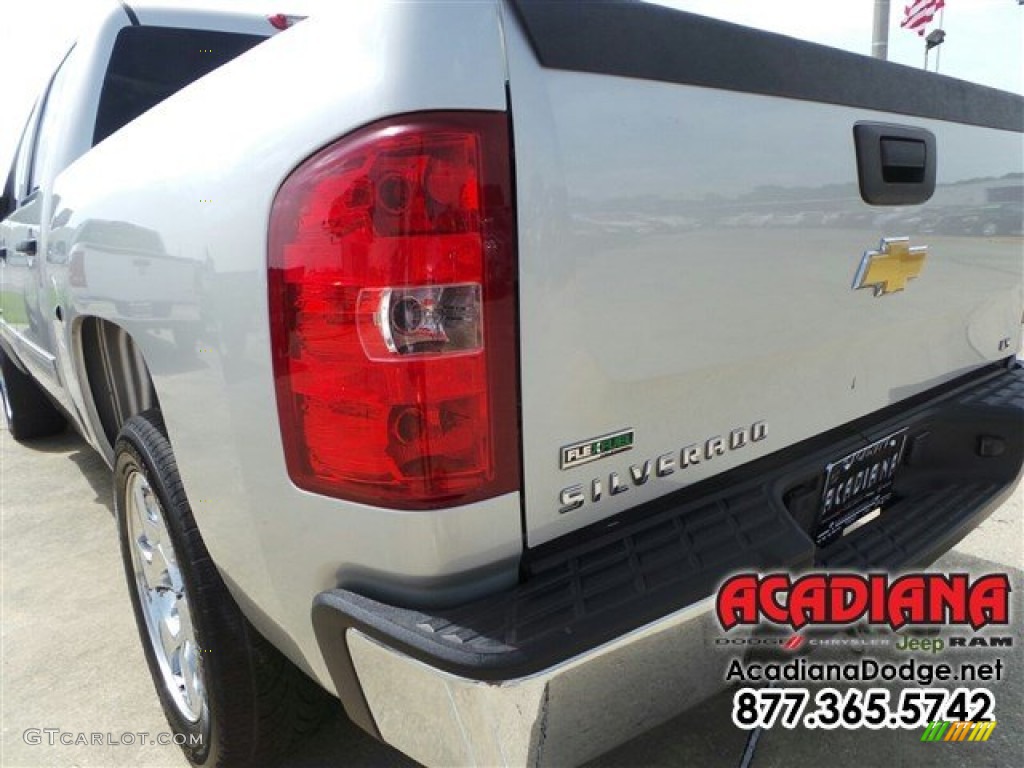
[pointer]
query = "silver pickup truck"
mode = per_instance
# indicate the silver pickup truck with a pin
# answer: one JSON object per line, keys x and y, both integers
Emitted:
{"x": 448, "y": 356}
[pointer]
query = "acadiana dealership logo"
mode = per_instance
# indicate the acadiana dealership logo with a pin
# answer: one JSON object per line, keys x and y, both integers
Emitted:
{"x": 849, "y": 598}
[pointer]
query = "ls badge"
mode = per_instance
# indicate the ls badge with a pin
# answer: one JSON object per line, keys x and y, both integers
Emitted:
{"x": 888, "y": 269}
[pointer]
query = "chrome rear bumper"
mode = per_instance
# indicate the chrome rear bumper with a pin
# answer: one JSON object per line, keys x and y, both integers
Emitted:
{"x": 562, "y": 716}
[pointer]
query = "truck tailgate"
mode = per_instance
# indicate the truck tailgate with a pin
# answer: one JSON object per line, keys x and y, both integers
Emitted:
{"x": 691, "y": 228}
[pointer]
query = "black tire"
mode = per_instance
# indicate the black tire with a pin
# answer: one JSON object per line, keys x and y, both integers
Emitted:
{"x": 29, "y": 413}
{"x": 258, "y": 705}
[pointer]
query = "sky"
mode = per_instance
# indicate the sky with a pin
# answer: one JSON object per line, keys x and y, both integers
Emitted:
{"x": 984, "y": 39}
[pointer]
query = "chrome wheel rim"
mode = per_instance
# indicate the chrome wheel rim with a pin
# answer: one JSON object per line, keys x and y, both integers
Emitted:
{"x": 163, "y": 599}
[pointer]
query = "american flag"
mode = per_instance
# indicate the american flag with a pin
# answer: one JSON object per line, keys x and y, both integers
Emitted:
{"x": 919, "y": 13}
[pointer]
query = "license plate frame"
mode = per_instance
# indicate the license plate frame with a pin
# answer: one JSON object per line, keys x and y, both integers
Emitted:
{"x": 857, "y": 484}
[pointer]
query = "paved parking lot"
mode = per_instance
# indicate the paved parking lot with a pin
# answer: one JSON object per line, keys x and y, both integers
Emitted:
{"x": 71, "y": 657}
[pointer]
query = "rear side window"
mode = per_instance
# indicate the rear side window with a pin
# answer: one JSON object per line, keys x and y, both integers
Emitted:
{"x": 148, "y": 64}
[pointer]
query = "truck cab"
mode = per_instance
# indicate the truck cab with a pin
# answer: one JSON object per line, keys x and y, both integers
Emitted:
{"x": 129, "y": 61}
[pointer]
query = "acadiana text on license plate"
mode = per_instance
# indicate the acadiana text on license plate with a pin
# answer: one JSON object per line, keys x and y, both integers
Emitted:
{"x": 857, "y": 484}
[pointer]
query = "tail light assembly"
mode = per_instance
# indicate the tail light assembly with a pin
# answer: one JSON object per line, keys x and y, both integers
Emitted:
{"x": 392, "y": 268}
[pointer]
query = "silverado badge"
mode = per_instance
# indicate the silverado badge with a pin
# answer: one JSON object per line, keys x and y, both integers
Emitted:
{"x": 888, "y": 269}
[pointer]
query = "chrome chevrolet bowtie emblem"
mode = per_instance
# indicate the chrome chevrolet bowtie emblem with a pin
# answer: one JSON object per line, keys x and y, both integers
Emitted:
{"x": 888, "y": 269}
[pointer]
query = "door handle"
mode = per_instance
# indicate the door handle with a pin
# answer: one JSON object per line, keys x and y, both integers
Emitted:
{"x": 27, "y": 247}
{"x": 895, "y": 163}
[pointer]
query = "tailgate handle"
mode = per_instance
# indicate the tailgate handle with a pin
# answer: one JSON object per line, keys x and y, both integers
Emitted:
{"x": 903, "y": 160}
{"x": 895, "y": 163}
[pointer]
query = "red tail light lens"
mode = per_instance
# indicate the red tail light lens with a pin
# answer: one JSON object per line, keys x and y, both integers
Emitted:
{"x": 392, "y": 299}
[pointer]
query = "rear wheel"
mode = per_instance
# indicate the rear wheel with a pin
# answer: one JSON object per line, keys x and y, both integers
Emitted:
{"x": 234, "y": 698}
{"x": 28, "y": 412}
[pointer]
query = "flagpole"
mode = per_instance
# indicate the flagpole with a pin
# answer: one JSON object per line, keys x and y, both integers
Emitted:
{"x": 942, "y": 25}
{"x": 880, "y": 31}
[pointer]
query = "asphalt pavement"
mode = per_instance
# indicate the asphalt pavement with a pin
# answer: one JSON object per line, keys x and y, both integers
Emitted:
{"x": 71, "y": 660}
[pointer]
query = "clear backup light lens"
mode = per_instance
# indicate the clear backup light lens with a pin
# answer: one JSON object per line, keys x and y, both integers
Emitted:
{"x": 430, "y": 320}
{"x": 392, "y": 302}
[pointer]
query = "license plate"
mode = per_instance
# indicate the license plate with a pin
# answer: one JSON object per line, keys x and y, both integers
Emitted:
{"x": 857, "y": 484}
